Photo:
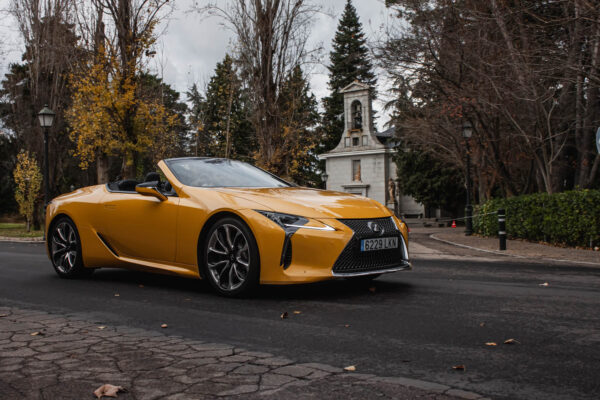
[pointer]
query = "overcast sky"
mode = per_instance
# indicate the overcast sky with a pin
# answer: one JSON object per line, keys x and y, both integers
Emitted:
{"x": 190, "y": 46}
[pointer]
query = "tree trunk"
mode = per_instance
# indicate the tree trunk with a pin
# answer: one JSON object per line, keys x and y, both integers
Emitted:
{"x": 102, "y": 169}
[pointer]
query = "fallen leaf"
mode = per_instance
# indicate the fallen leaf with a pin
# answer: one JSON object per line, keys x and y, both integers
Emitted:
{"x": 459, "y": 367}
{"x": 188, "y": 299}
{"x": 544, "y": 284}
{"x": 297, "y": 312}
{"x": 482, "y": 324}
{"x": 141, "y": 285}
{"x": 372, "y": 289}
{"x": 36, "y": 333}
{"x": 164, "y": 326}
{"x": 108, "y": 390}
{"x": 101, "y": 327}
{"x": 350, "y": 368}
{"x": 3, "y": 315}
{"x": 284, "y": 315}
{"x": 511, "y": 341}
{"x": 491, "y": 344}
{"x": 347, "y": 326}
{"x": 117, "y": 294}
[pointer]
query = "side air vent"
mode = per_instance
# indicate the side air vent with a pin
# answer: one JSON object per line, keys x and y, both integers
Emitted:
{"x": 286, "y": 253}
{"x": 108, "y": 246}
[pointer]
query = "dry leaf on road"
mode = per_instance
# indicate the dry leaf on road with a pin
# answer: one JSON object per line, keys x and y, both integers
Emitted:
{"x": 3, "y": 315}
{"x": 511, "y": 341}
{"x": 101, "y": 327}
{"x": 347, "y": 326}
{"x": 108, "y": 390}
{"x": 372, "y": 289}
{"x": 482, "y": 324}
{"x": 141, "y": 285}
{"x": 544, "y": 284}
{"x": 459, "y": 367}
{"x": 491, "y": 344}
{"x": 297, "y": 312}
{"x": 164, "y": 326}
{"x": 117, "y": 294}
{"x": 350, "y": 368}
{"x": 284, "y": 315}
{"x": 36, "y": 333}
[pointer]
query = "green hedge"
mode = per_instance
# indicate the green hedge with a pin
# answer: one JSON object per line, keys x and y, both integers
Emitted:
{"x": 570, "y": 218}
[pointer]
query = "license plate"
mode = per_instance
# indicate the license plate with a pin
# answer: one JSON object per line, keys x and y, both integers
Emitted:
{"x": 379, "y": 244}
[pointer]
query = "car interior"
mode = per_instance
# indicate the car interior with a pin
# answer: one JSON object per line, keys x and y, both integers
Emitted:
{"x": 128, "y": 185}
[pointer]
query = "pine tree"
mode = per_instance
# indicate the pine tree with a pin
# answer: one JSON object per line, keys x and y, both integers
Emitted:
{"x": 226, "y": 125}
{"x": 349, "y": 61}
{"x": 299, "y": 130}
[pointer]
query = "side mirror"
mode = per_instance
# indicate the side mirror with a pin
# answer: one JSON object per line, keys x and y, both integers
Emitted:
{"x": 150, "y": 189}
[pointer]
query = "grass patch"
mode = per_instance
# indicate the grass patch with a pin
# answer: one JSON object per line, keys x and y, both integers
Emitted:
{"x": 11, "y": 229}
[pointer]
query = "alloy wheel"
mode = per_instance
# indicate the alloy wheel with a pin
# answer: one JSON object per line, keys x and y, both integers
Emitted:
{"x": 64, "y": 247}
{"x": 228, "y": 257}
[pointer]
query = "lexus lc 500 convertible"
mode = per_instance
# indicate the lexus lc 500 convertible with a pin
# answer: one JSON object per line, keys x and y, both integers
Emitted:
{"x": 225, "y": 221}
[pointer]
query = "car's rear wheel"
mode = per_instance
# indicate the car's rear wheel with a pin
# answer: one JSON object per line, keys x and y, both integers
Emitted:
{"x": 65, "y": 249}
{"x": 231, "y": 261}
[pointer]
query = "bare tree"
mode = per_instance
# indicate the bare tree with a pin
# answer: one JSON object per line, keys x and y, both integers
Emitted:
{"x": 524, "y": 73}
{"x": 271, "y": 41}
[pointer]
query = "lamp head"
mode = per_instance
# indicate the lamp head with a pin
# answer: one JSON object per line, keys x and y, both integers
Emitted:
{"x": 467, "y": 130}
{"x": 46, "y": 117}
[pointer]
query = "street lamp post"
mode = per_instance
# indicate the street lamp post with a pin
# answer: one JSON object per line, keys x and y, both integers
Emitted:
{"x": 46, "y": 117}
{"x": 467, "y": 132}
{"x": 324, "y": 177}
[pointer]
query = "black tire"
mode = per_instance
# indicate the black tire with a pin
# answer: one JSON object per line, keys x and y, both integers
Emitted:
{"x": 64, "y": 246}
{"x": 228, "y": 247}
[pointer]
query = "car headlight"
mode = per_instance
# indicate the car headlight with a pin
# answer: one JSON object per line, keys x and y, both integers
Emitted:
{"x": 291, "y": 223}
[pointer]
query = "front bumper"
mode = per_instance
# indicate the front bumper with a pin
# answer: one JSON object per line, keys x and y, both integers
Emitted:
{"x": 314, "y": 254}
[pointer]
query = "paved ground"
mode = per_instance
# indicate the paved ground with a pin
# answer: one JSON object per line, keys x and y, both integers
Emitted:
{"x": 535, "y": 252}
{"x": 51, "y": 357}
{"x": 414, "y": 324}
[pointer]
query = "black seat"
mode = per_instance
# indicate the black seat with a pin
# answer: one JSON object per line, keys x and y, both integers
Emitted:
{"x": 152, "y": 177}
{"x": 127, "y": 185}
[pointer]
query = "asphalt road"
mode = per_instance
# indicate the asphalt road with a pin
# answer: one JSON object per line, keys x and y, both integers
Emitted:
{"x": 415, "y": 324}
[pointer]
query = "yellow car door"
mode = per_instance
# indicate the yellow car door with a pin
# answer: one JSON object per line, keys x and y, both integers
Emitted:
{"x": 141, "y": 227}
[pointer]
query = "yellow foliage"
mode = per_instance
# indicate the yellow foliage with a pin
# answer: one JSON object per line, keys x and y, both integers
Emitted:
{"x": 110, "y": 115}
{"x": 28, "y": 180}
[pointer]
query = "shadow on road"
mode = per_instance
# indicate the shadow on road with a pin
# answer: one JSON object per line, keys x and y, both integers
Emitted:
{"x": 323, "y": 291}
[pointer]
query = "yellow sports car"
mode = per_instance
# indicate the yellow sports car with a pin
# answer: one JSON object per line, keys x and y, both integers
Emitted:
{"x": 225, "y": 221}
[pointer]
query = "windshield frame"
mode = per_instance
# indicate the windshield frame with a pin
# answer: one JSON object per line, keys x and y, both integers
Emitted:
{"x": 169, "y": 163}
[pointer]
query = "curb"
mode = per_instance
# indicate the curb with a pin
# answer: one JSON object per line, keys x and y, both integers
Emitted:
{"x": 21, "y": 240}
{"x": 497, "y": 252}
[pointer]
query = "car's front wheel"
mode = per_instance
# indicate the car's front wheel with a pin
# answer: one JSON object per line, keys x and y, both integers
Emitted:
{"x": 231, "y": 261}
{"x": 65, "y": 249}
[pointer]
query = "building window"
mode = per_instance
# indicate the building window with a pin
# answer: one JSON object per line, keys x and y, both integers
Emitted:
{"x": 356, "y": 170}
{"x": 365, "y": 140}
{"x": 347, "y": 142}
{"x": 354, "y": 141}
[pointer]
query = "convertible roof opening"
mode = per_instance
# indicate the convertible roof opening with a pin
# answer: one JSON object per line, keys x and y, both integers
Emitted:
{"x": 221, "y": 172}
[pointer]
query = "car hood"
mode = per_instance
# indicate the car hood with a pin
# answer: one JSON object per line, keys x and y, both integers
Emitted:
{"x": 311, "y": 203}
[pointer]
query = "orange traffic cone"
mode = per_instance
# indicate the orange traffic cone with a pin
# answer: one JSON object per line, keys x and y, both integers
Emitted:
{"x": 453, "y": 224}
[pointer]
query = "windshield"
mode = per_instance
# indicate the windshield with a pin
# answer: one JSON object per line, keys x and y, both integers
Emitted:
{"x": 219, "y": 172}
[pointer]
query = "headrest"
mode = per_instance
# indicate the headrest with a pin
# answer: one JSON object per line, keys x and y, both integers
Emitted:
{"x": 152, "y": 176}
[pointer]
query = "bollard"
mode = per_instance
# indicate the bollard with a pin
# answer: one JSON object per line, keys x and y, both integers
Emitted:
{"x": 502, "y": 228}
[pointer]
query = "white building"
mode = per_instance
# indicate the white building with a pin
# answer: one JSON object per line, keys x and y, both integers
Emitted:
{"x": 362, "y": 161}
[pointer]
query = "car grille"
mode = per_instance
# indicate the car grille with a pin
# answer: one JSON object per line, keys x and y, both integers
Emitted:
{"x": 352, "y": 260}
